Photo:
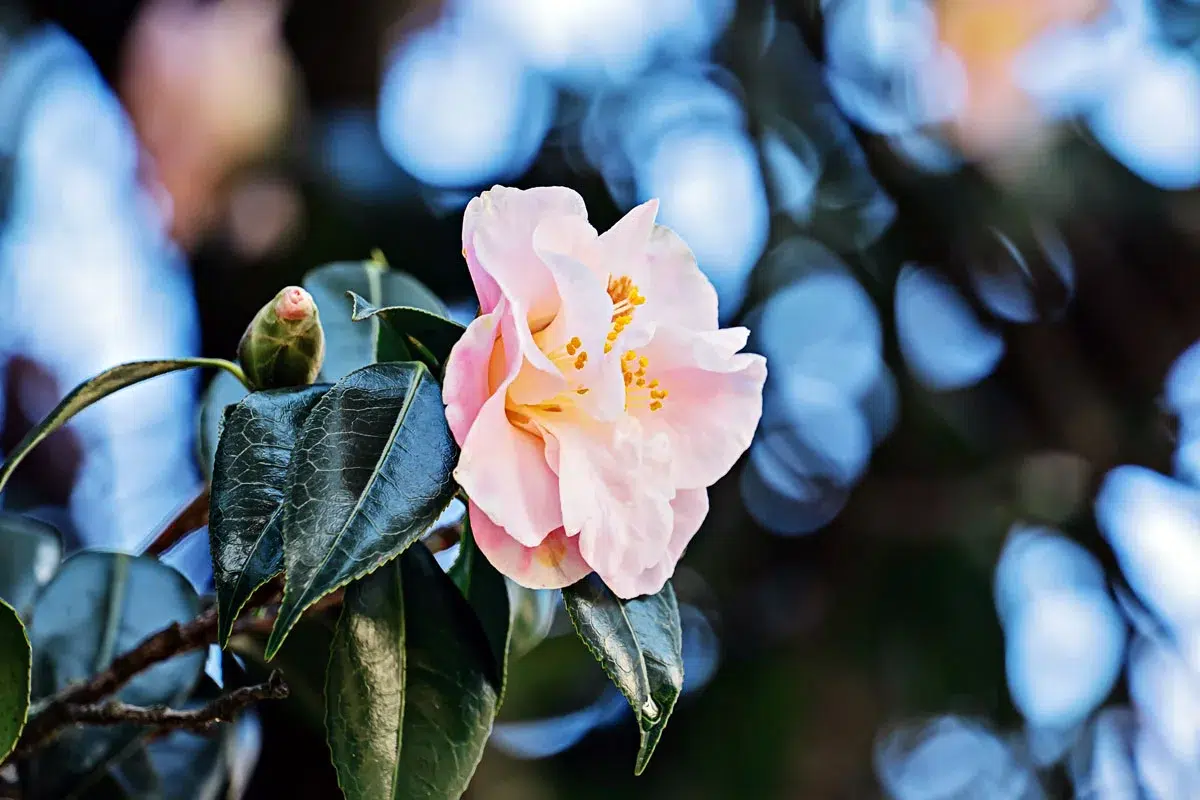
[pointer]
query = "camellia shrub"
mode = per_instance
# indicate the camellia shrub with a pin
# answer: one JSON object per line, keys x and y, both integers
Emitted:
{"x": 580, "y": 417}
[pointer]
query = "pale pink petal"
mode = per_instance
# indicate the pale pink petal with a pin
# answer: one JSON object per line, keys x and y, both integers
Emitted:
{"x": 615, "y": 491}
{"x": 498, "y": 239}
{"x": 664, "y": 269}
{"x": 504, "y": 245}
{"x": 553, "y": 564}
{"x": 503, "y": 468}
{"x": 465, "y": 384}
{"x": 585, "y": 313}
{"x": 690, "y": 507}
{"x": 714, "y": 400}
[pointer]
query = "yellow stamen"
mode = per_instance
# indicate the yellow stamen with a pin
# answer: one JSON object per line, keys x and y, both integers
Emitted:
{"x": 581, "y": 359}
{"x": 581, "y": 390}
{"x": 656, "y": 405}
{"x": 625, "y": 297}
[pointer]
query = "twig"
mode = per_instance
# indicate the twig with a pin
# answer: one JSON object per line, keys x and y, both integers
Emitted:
{"x": 114, "y": 712}
{"x": 56, "y": 712}
{"x": 190, "y": 518}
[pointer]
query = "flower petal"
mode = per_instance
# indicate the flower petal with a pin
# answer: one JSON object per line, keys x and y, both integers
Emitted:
{"x": 690, "y": 507}
{"x": 714, "y": 400}
{"x": 664, "y": 269}
{"x": 503, "y": 468}
{"x": 465, "y": 385}
{"x": 615, "y": 489}
{"x": 498, "y": 239}
{"x": 565, "y": 245}
{"x": 553, "y": 564}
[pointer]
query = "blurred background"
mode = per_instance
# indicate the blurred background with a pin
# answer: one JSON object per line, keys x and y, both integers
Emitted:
{"x": 962, "y": 558}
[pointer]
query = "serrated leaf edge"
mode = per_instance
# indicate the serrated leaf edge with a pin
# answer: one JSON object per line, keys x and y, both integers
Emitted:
{"x": 28, "y": 680}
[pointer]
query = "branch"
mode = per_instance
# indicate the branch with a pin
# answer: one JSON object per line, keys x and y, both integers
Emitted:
{"x": 114, "y": 712}
{"x": 53, "y": 714}
{"x": 191, "y": 517}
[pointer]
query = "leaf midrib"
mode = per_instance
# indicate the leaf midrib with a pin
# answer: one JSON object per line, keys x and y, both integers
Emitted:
{"x": 645, "y": 670}
{"x": 414, "y": 385}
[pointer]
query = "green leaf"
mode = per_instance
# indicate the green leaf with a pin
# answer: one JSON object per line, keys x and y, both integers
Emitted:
{"x": 409, "y": 332}
{"x": 411, "y": 694}
{"x": 245, "y": 522}
{"x": 223, "y": 391}
{"x": 98, "y": 606}
{"x": 348, "y": 345}
{"x": 96, "y": 389}
{"x": 370, "y": 474}
{"x": 14, "y": 678}
{"x": 29, "y": 554}
{"x": 639, "y": 643}
{"x": 487, "y": 594}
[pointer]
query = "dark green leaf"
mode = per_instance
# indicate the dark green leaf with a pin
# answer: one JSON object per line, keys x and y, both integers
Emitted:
{"x": 407, "y": 330}
{"x": 225, "y": 390}
{"x": 371, "y": 473}
{"x": 411, "y": 695}
{"x": 350, "y": 345}
{"x": 14, "y": 678}
{"x": 245, "y": 523}
{"x": 639, "y": 643}
{"x": 96, "y": 389}
{"x": 29, "y": 554}
{"x": 487, "y": 593}
{"x": 98, "y": 606}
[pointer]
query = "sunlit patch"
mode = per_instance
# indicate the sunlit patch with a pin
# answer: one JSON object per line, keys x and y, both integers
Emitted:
{"x": 944, "y": 344}
{"x": 949, "y": 756}
{"x": 1064, "y": 637}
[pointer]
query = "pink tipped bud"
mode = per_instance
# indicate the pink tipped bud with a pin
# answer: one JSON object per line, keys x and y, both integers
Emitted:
{"x": 294, "y": 304}
{"x": 284, "y": 344}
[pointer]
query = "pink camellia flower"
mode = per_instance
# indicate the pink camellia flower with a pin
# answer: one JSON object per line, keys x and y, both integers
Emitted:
{"x": 594, "y": 398}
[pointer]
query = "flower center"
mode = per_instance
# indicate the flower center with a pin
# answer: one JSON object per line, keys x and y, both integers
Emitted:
{"x": 639, "y": 389}
{"x": 625, "y": 297}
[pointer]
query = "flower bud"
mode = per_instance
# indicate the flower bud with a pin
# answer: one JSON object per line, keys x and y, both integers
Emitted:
{"x": 284, "y": 345}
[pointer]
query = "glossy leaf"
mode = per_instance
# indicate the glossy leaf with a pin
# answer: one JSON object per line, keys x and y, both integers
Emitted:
{"x": 14, "y": 678}
{"x": 29, "y": 554}
{"x": 639, "y": 643}
{"x": 249, "y": 481}
{"x": 408, "y": 332}
{"x": 98, "y": 606}
{"x": 225, "y": 390}
{"x": 96, "y": 389}
{"x": 350, "y": 345}
{"x": 411, "y": 694}
{"x": 487, "y": 593}
{"x": 370, "y": 474}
